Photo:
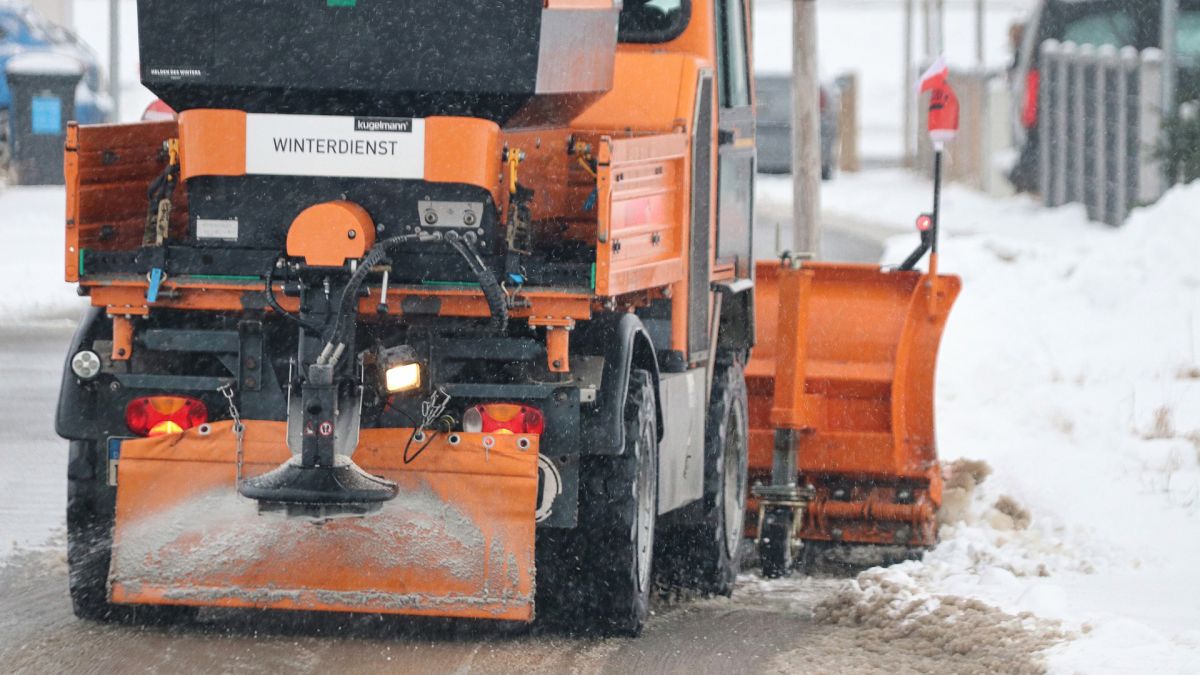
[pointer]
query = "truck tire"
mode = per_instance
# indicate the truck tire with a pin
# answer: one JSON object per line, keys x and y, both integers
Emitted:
{"x": 707, "y": 557}
{"x": 598, "y": 576}
{"x": 91, "y": 508}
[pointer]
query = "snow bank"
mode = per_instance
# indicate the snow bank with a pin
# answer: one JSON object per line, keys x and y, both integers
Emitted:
{"x": 31, "y": 256}
{"x": 1071, "y": 366}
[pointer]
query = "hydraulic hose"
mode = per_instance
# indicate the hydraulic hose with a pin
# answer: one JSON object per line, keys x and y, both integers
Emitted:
{"x": 350, "y": 295}
{"x": 492, "y": 293}
{"x": 496, "y": 299}
{"x": 274, "y": 303}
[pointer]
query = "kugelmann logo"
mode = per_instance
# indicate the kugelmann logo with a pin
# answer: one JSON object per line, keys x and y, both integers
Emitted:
{"x": 395, "y": 125}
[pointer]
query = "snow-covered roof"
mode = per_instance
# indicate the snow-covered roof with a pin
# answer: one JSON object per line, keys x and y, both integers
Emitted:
{"x": 44, "y": 63}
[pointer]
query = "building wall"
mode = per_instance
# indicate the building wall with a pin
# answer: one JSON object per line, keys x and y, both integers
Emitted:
{"x": 58, "y": 11}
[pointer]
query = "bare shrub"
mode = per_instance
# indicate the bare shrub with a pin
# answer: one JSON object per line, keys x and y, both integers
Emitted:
{"x": 1163, "y": 428}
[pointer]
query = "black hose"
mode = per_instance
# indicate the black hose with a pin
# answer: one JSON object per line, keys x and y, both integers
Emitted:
{"x": 496, "y": 300}
{"x": 274, "y": 303}
{"x": 350, "y": 293}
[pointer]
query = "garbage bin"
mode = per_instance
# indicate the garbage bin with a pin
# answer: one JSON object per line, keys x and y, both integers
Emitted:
{"x": 43, "y": 100}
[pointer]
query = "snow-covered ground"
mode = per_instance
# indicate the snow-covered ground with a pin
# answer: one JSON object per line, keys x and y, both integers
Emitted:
{"x": 1071, "y": 367}
{"x": 31, "y": 259}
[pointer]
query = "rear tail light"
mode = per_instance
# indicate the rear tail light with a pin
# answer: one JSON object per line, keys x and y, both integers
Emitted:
{"x": 162, "y": 415}
{"x": 1029, "y": 114}
{"x": 503, "y": 418}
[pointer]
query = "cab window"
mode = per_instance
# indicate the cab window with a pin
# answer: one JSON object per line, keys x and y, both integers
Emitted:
{"x": 731, "y": 54}
{"x": 653, "y": 21}
{"x": 1108, "y": 28}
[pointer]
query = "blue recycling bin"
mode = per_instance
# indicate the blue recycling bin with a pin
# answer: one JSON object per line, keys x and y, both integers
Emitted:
{"x": 43, "y": 88}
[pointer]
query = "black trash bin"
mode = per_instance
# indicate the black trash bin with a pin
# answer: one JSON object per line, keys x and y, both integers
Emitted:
{"x": 43, "y": 100}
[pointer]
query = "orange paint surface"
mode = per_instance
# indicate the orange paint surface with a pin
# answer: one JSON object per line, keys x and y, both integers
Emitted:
{"x": 458, "y": 541}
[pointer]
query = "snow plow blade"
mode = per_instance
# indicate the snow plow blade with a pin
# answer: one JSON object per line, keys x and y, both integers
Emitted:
{"x": 458, "y": 541}
{"x": 846, "y": 358}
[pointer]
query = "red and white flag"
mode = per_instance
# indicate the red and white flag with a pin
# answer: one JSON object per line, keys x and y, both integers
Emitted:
{"x": 943, "y": 103}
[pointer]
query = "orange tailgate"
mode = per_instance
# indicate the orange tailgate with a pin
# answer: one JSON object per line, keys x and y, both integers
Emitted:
{"x": 458, "y": 541}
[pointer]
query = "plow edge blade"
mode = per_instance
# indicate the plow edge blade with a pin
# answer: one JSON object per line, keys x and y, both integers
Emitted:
{"x": 458, "y": 541}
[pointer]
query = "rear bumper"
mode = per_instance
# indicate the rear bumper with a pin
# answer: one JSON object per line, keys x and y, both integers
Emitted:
{"x": 457, "y": 542}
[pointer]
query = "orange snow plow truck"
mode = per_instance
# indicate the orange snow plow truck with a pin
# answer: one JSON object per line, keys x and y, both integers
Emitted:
{"x": 450, "y": 309}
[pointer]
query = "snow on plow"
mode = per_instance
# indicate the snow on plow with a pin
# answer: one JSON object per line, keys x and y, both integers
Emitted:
{"x": 458, "y": 541}
{"x": 843, "y": 376}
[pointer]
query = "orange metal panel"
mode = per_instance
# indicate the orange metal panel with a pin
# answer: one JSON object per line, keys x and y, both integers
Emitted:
{"x": 642, "y": 218}
{"x": 108, "y": 168}
{"x": 122, "y": 349}
{"x": 464, "y": 150}
{"x": 646, "y": 94}
{"x": 71, "y": 175}
{"x": 127, "y": 295}
{"x": 329, "y": 234}
{"x": 458, "y": 541}
{"x": 848, "y": 353}
{"x": 212, "y": 143}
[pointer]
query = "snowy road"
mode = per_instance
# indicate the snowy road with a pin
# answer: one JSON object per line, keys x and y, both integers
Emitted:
{"x": 765, "y": 628}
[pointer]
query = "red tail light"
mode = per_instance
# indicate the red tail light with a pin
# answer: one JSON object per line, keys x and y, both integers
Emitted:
{"x": 159, "y": 111}
{"x": 162, "y": 415}
{"x": 1029, "y": 114}
{"x": 504, "y": 418}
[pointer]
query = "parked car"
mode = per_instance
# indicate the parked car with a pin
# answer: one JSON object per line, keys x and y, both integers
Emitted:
{"x": 22, "y": 30}
{"x": 774, "y": 126}
{"x": 1136, "y": 23}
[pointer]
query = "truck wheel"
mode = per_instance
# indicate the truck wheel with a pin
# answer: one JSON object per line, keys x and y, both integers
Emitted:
{"x": 775, "y": 547}
{"x": 707, "y": 557}
{"x": 91, "y": 507}
{"x": 598, "y": 576}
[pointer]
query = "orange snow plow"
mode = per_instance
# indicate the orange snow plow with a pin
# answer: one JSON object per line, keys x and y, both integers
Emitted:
{"x": 458, "y": 542}
{"x": 841, "y": 401}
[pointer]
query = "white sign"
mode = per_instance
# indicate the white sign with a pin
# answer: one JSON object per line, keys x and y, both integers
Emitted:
{"x": 350, "y": 147}
{"x": 216, "y": 229}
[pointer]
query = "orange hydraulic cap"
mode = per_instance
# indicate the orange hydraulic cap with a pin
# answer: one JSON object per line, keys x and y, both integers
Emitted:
{"x": 329, "y": 234}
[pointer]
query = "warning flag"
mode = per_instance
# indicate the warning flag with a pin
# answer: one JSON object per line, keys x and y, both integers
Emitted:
{"x": 943, "y": 103}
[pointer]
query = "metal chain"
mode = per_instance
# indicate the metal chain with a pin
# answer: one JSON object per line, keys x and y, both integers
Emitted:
{"x": 239, "y": 429}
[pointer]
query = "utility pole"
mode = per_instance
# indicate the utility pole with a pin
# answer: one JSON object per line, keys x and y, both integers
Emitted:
{"x": 909, "y": 85}
{"x": 1170, "y": 28}
{"x": 980, "y": 34}
{"x": 806, "y": 131}
{"x": 941, "y": 27}
{"x": 927, "y": 20}
{"x": 114, "y": 56}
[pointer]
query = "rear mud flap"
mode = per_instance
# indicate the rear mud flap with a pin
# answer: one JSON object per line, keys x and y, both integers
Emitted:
{"x": 458, "y": 541}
